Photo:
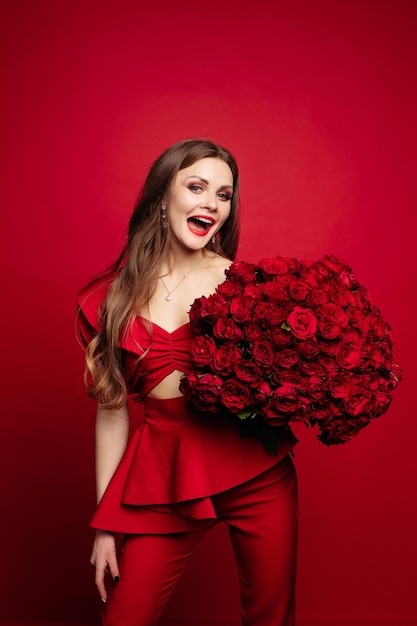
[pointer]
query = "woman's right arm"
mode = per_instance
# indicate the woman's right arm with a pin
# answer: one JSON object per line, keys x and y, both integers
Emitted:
{"x": 112, "y": 431}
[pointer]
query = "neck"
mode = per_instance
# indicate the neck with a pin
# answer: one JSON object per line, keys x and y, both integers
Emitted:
{"x": 181, "y": 261}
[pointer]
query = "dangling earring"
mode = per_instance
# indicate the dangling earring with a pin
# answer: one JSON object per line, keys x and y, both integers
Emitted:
{"x": 214, "y": 240}
{"x": 164, "y": 216}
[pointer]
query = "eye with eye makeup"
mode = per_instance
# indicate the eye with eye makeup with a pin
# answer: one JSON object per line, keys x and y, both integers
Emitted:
{"x": 195, "y": 187}
{"x": 225, "y": 196}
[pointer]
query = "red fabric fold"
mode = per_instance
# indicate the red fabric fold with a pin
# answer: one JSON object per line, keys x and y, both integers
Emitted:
{"x": 174, "y": 464}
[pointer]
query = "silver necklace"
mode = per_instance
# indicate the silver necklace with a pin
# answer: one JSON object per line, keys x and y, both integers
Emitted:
{"x": 168, "y": 297}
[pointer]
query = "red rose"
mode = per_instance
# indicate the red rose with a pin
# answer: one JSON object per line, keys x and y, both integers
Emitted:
{"x": 321, "y": 410}
{"x": 287, "y": 358}
{"x": 298, "y": 289}
{"x": 334, "y": 264}
{"x": 381, "y": 401}
{"x": 263, "y": 354}
{"x": 303, "y": 323}
{"x": 351, "y": 335}
{"x": 372, "y": 356}
{"x": 316, "y": 298}
{"x": 264, "y": 388}
{"x": 311, "y": 368}
{"x": 330, "y": 365}
{"x": 380, "y": 328}
{"x": 293, "y": 265}
{"x": 339, "y": 430}
{"x": 207, "y": 393}
{"x": 285, "y": 399}
{"x": 344, "y": 298}
{"x": 187, "y": 384}
{"x": 315, "y": 275}
{"x": 225, "y": 357}
{"x": 288, "y": 378}
{"x": 303, "y": 411}
{"x": 252, "y": 332}
{"x": 329, "y": 348}
{"x": 253, "y": 291}
{"x": 317, "y": 389}
{"x": 348, "y": 277}
{"x": 362, "y": 300}
{"x": 281, "y": 337}
{"x": 201, "y": 350}
{"x": 241, "y": 272}
{"x": 276, "y": 265}
{"x": 386, "y": 349}
{"x": 329, "y": 328}
{"x": 349, "y": 355}
{"x": 333, "y": 311}
{"x": 268, "y": 314}
{"x": 274, "y": 292}
{"x": 260, "y": 396}
{"x": 371, "y": 381}
{"x": 358, "y": 403}
{"x": 241, "y": 309}
{"x": 340, "y": 386}
{"x": 229, "y": 289}
{"x": 308, "y": 349}
{"x": 259, "y": 400}
{"x": 195, "y": 316}
{"x": 283, "y": 279}
{"x": 213, "y": 307}
{"x": 334, "y": 286}
{"x": 275, "y": 419}
{"x": 358, "y": 319}
{"x": 305, "y": 265}
{"x": 225, "y": 328}
{"x": 235, "y": 396}
{"x": 248, "y": 373}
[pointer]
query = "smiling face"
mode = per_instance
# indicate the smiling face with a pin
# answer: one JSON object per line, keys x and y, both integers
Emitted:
{"x": 199, "y": 202}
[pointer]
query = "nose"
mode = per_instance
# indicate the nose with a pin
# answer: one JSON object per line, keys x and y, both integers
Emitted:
{"x": 210, "y": 201}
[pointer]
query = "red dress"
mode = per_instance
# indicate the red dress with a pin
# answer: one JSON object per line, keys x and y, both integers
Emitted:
{"x": 178, "y": 458}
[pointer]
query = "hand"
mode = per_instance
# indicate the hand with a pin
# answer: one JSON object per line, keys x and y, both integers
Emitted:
{"x": 103, "y": 557}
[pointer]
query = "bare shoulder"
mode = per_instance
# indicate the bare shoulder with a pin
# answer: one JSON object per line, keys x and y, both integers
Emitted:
{"x": 209, "y": 275}
{"x": 218, "y": 265}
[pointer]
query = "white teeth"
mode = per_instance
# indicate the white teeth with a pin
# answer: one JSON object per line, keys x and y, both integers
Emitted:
{"x": 204, "y": 220}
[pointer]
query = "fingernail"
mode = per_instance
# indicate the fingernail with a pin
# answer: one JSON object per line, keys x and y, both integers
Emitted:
{"x": 103, "y": 600}
{"x": 116, "y": 578}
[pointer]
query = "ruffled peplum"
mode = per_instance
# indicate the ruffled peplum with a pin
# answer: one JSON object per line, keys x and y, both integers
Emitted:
{"x": 174, "y": 463}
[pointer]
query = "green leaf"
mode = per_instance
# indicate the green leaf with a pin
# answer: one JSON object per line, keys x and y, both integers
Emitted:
{"x": 244, "y": 414}
{"x": 285, "y": 326}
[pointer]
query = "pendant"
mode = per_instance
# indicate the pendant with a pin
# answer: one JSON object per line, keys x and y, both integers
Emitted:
{"x": 168, "y": 297}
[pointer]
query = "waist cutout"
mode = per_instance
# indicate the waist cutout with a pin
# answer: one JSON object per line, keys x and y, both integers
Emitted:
{"x": 173, "y": 412}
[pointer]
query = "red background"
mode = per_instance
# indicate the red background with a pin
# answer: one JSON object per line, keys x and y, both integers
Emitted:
{"x": 318, "y": 102}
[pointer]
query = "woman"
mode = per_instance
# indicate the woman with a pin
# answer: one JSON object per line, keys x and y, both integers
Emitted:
{"x": 181, "y": 471}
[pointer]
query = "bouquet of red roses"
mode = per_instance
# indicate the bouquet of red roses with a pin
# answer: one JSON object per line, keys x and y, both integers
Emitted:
{"x": 288, "y": 341}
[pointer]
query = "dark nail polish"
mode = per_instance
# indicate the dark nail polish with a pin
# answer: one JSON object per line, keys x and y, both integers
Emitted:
{"x": 116, "y": 579}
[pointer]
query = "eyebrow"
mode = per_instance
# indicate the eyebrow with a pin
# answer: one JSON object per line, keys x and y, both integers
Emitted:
{"x": 203, "y": 180}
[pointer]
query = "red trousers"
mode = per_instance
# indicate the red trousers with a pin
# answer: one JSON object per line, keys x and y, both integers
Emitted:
{"x": 262, "y": 516}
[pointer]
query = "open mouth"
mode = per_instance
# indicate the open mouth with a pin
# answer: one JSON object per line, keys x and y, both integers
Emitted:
{"x": 200, "y": 225}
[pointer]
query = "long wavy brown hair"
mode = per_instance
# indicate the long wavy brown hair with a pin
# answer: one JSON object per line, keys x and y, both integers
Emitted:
{"x": 134, "y": 274}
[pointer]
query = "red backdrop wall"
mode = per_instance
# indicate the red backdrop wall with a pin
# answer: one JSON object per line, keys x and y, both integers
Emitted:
{"x": 317, "y": 100}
